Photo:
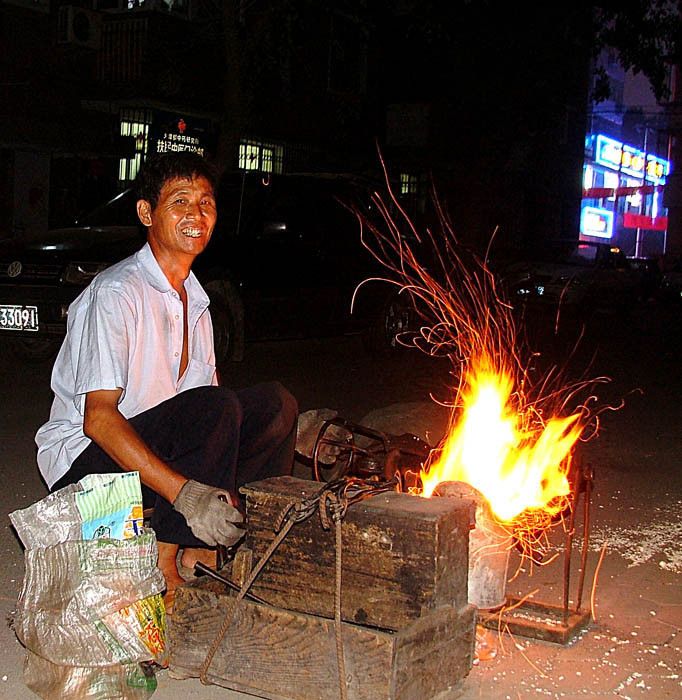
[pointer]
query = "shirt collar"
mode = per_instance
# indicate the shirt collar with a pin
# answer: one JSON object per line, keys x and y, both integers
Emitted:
{"x": 154, "y": 275}
{"x": 151, "y": 269}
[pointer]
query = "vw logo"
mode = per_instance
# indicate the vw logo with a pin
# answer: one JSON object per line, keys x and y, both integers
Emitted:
{"x": 14, "y": 269}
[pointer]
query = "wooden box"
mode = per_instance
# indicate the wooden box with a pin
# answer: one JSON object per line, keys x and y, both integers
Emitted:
{"x": 403, "y": 555}
{"x": 280, "y": 654}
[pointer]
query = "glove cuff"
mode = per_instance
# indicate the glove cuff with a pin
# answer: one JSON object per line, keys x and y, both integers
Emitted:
{"x": 187, "y": 499}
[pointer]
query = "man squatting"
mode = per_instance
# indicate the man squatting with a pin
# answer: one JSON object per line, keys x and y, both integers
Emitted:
{"x": 135, "y": 384}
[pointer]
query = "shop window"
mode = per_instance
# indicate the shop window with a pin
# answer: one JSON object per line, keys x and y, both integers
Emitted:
{"x": 134, "y": 123}
{"x": 611, "y": 180}
{"x": 588, "y": 178}
{"x": 634, "y": 200}
{"x": 265, "y": 157}
{"x": 656, "y": 209}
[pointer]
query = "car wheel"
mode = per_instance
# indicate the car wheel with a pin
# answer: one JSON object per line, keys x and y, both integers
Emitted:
{"x": 34, "y": 351}
{"x": 393, "y": 327}
{"x": 227, "y": 318}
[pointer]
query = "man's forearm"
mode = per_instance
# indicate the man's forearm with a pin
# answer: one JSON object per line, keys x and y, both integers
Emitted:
{"x": 105, "y": 425}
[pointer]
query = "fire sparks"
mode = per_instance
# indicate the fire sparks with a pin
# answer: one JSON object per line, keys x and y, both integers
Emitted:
{"x": 509, "y": 437}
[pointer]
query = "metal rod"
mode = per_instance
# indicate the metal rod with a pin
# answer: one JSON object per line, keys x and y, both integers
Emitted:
{"x": 569, "y": 542}
{"x": 588, "y": 475}
{"x": 203, "y": 569}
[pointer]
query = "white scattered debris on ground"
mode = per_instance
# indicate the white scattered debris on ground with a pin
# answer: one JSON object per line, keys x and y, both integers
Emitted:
{"x": 660, "y": 538}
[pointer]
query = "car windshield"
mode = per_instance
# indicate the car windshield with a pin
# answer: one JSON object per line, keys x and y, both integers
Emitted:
{"x": 119, "y": 211}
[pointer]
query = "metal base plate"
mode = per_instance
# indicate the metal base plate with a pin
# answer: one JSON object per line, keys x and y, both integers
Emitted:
{"x": 536, "y": 620}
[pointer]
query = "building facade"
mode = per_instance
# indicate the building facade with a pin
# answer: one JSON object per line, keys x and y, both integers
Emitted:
{"x": 626, "y": 166}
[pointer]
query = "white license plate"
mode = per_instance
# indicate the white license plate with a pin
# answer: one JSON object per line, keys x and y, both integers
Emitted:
{"x": 18, "y": 318}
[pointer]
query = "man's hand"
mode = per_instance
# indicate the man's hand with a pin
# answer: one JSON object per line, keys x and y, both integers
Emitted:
{"x": 309, "y": 425}
{"x": 210, "y": 518}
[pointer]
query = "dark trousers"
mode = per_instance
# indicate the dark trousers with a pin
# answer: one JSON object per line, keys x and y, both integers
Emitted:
{"x": 210, "y": 434}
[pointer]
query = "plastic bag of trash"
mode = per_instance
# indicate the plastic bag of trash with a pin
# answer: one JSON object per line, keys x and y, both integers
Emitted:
{"x": 90, "y": 609}
{"x": 93, "y": 602}
{"x": 121, "y": 681}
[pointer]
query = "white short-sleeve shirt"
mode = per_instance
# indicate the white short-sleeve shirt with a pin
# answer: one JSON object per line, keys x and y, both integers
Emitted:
{"x": 125, "y": 330}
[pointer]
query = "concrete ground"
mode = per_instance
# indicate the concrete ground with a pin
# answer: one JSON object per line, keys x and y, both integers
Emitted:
{"x": 632, "y": 647}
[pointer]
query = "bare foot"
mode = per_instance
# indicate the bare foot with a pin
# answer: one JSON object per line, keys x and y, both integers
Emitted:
{"x": 191, "y": 555}
{"x": 166, "y": 563}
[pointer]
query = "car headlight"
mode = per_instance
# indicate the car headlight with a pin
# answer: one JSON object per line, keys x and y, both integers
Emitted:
{"x": 82, "y": 272}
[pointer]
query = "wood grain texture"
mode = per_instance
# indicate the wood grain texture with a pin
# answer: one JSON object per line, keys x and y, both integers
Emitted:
{"x": 434, "y": 654}
{"x": 276, "y": 653}
{"x": 402, "y": 555}
{"x": 285, "y": 655}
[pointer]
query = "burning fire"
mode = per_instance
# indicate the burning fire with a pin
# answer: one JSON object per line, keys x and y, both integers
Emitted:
{"x": 509, "y": 437}
{"x": 488, "y": 446}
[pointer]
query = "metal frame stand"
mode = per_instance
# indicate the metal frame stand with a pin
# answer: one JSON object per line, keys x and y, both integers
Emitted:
{"x": 553, "y": 623}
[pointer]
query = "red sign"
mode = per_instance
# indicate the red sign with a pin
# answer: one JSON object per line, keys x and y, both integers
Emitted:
{"x": 660, "y": 223}
{"x": 603, "y": 192}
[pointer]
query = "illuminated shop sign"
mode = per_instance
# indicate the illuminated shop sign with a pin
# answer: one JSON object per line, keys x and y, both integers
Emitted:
{"x": 175, "y": 133}
{"x": 596, "y": 222}
{"x": 630, "y": 160}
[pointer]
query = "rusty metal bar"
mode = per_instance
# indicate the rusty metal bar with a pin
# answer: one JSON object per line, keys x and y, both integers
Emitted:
{"x": 588, "y": 476}
{"x": 569, "y": 541}
{"x": 200, "y": 568}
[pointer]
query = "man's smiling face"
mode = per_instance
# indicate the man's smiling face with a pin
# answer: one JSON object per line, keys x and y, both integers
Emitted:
{"x": 182, "y": 221}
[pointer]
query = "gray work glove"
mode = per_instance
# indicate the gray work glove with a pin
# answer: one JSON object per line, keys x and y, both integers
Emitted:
{"x": 309, "y": 426}
{"x": 210, "y": 518}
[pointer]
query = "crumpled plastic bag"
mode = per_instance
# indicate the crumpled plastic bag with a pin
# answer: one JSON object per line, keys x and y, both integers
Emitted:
{"x": 118, "y": 682}
{"x": 50, "y": 521}
{"x": 90, "y": 612}
{"x": 309, "y": 425}
{"x": 69, "y": 606}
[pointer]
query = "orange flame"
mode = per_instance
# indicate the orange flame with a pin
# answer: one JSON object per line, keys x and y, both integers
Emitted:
{"x": 490, "y": 447}
{"x": 501, "y": 439}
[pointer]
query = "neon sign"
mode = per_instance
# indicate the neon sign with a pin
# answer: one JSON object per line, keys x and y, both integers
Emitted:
{"x": 630, "y": 160}
{"x": 596, "y": 222}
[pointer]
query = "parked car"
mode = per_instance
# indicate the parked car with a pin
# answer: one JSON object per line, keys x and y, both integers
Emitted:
{"x": 283, "y": 262}
{"x": 583, "y": 277}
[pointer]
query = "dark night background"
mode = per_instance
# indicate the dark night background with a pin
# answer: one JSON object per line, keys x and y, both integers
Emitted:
{"x": 487, "y": 100}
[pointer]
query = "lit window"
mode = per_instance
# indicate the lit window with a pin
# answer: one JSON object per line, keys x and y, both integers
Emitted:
{"x": 408, "y": 184}
{"x": 265, "y": 157}
{"x": 588, "y": 178}
{"x": 634, "y": 200}
{"x": 134, "y": 123}
{"x": 611, "y": 181}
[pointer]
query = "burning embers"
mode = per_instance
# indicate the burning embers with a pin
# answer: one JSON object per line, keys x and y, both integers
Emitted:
{"x": 494, "y": 447}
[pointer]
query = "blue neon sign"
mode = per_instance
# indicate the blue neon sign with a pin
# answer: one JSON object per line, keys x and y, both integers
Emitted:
{"x": 596, "y": 222}
{"x": 630, "y": 160}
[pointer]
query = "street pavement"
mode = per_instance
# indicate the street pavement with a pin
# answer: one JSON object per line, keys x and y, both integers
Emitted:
{"x": 631, "y": 648}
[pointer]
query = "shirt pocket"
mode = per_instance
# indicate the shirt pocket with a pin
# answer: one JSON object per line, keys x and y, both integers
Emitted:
{"x": 198, "y": 374}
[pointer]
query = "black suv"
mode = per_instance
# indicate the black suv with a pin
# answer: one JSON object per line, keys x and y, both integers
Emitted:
{"x": 283, "y": 262}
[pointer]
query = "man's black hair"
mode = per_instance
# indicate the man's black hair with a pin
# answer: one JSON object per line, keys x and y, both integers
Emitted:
{"x": 162, "y": 167}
